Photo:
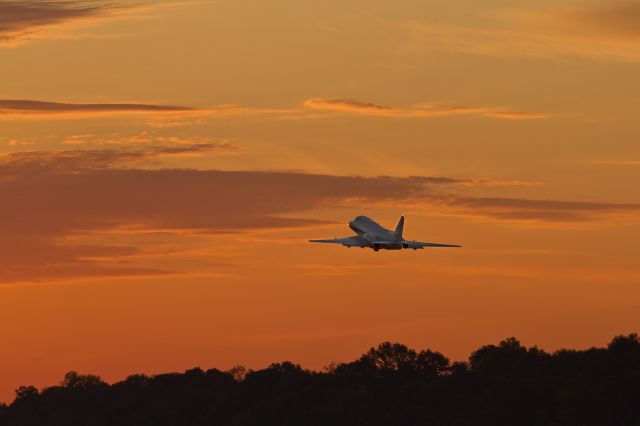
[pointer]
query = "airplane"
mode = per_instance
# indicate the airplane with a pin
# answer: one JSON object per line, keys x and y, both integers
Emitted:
{"x": 372, "y": 235}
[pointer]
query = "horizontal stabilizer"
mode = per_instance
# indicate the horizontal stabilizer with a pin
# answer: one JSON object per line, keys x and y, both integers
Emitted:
{"x": 418, "y": 245}
{"x": 347, "y": 242}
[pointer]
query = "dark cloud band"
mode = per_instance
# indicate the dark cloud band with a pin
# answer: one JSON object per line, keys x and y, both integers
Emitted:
{"x": 41, "y": 107}
{"x": 50, "y": 196}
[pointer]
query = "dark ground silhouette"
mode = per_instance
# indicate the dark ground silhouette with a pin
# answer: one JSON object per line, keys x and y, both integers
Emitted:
{"x": 504, "y": 384}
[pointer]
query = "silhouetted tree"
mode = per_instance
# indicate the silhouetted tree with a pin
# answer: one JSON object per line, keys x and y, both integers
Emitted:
{"x": 74, "y": 380}
{"x": 391, "y": 357}
{"x": 431, "y": 363}
{"x": 26, "y": 392}
{"x": 238, "y": 372}
{"x": 391, "y": 384}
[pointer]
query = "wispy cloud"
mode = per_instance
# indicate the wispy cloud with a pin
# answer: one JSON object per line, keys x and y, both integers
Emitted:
{"x": 416, "y": 111}
{"x": 518, "y": 209}
{"x": 148, "y": 142}
{"x": 477, "y": 181}
{"x": 21, "y": 21}
{"x": 609, "y": 31}
{"x": 615, "y": 20}
{"x": 348, "y": 105}
{"x": 74, "y": 161}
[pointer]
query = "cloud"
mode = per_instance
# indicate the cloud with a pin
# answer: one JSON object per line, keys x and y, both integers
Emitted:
{"x": 78, "y": 139}
{"x": 537, "y": 210}
{"x": 441, "y": 180}
{"x": 95, "y": 159}
{"x": 609, "y": 31}
{"x": 619, "y": 20}
{"x": 63, "y": 212}
{"x": 29, "y": 108}
{"x": 349, "y": 106}
{"x": 514, "y": 115}
{"x": 24, "y": 20}
{"x": 167, "y": 116}
{"x": 51, "y": 197}
{"x": 616, "y": 162}
{"x": 153, "y": 145}
{"x": 29, "y": 258}
{"x": 416, "y": 111}
{"x": 54, "y": 202}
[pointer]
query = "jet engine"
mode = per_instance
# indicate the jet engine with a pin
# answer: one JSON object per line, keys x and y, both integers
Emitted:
{"x": 412, "y": 245}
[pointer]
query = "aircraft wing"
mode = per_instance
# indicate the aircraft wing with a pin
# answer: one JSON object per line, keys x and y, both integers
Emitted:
{"x": 418, "y": 245}
{"x": 354, "y": 241}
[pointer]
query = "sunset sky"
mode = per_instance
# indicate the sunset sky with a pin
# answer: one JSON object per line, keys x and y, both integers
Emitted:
{"x": 163, "y": 164}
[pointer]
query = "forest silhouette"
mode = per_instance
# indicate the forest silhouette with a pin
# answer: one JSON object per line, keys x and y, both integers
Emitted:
{"x": 391, "y": 384}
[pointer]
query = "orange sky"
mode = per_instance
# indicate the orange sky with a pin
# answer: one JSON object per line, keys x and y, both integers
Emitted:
{"x": 162, "y": 165}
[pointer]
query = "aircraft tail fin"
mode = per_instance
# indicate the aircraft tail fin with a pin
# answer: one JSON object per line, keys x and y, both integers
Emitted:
{"x": 399, "y": 227}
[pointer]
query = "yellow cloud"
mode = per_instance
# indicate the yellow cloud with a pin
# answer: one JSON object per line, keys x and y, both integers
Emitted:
{"x": 416, "y": 111}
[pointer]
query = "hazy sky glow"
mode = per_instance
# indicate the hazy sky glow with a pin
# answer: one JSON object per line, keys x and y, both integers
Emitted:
{"x": 162, "y": 165}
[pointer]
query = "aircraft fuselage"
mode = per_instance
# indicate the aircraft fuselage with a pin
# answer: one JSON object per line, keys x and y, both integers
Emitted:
{"x": 373, "y": 232}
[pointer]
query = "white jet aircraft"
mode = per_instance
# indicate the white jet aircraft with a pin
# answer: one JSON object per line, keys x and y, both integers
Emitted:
{"x": 372, "y": 235}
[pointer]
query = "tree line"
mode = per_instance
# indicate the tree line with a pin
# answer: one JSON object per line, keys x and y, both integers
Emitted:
{"x": 391, "y": 384}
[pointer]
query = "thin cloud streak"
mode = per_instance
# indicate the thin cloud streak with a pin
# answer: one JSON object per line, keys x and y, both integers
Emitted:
{"x": 515, "y": 209}
{"x": 176, "y": 116}
{"x": 616, "y": 162}
{"x": 14, "y": 109}
{"x": 142, "y": 146}
{"x": 416, "y": 111}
